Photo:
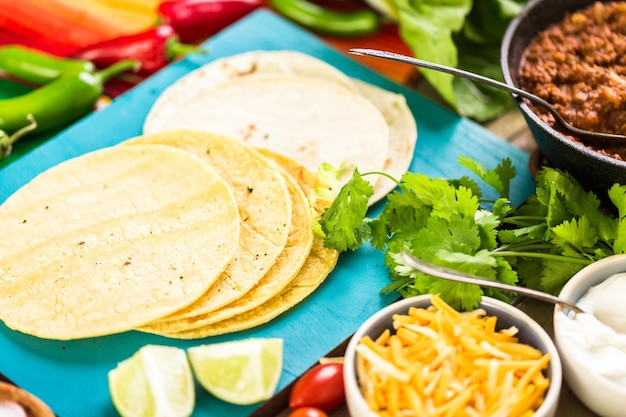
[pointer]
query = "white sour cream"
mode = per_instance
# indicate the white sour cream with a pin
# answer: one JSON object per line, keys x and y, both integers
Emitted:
{"x": 607, "y": 301}
{"x": 599, "y": 339}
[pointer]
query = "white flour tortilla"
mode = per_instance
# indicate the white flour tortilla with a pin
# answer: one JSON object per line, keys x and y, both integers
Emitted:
{"x": 205, "y": 78}
{"x": 393, "y": 106}
{"x": 402, "y": 135}
{"x": 310, "y": 120}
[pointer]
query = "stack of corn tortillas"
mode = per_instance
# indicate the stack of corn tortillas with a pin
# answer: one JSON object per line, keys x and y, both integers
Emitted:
{"x": 204, "y": 224}
{"x": 184, "y": 234}
{"x": 296, "y": 105}
{"x": 113, "y": 239}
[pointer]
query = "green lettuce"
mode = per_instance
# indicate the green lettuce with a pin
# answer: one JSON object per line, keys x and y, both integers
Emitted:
{"x": 465, "y": 34}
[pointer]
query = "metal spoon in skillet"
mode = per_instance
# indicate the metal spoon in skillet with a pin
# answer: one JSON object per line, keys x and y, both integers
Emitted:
{"x": 588, "y": 137}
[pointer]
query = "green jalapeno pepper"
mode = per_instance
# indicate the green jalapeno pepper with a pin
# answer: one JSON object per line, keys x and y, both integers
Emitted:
{"x": 38, "y": 67}
{"x": 61, "y": 102}
{"x": 326, "y": 21}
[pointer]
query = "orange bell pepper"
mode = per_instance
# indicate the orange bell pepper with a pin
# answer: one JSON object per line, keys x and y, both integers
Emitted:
{"x": 64, "y": 26}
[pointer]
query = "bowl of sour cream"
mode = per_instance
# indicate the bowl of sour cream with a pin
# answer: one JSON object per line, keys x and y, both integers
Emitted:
{"x": 592, "y": 345}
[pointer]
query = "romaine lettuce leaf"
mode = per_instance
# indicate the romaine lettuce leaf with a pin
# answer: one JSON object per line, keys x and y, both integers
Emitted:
{"x": 460, "y": 33}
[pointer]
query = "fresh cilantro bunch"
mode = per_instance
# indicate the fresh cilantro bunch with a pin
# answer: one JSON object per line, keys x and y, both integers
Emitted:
{"x": 559, "y": 230}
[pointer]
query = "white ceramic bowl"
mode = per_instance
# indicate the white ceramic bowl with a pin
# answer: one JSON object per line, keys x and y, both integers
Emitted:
{"x": 601, "y": 395}
{"x": 530, "y": 332}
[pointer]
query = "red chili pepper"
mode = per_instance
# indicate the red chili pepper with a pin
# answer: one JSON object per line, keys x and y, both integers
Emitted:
{"x": 198, "y": 19}
{"x": 153, "y": 48}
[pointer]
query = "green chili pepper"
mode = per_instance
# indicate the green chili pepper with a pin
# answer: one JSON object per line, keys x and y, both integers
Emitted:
{"x": 60, "y": 102}
{"x": 6, "y": 141}
{"x": 38, "y": 67}
{"x": 319, "y": 19}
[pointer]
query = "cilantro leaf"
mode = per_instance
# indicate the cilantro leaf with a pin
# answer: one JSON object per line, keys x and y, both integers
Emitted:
{"x": 487, "y": 224}
{"x": 404, "y": 214}
{"x": 480, "y": 263}
{"x": 499, "y": 178}
{"x": 445, "y": 229}
{"x": 469, "y": 183}
{"x": 532, "y": 210}
{"x": 505, "y": 272}
{"x": 501, "y": 207}
{"x": 617, "y": 194}
{"x": 459, "y": 201}
{"x": 419, "y": 189}
{"x": 528, "y": 271}
{"x": 569, "y": 199}
{"x": 554, "y": 275}
{"x": 342, "y": 220}
{"x": 549, "y": 196}
{"x": 377, "y": 231}
{"x": 574, "y": 236}
{"x": 462, "y": 296}
{"x": 523, "y": 235}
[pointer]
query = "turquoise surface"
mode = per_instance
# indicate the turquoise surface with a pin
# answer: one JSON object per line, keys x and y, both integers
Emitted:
{"x": 71, "y": 376}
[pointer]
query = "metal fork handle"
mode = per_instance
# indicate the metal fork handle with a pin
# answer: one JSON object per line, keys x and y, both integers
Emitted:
{"x": 609, "y": 138}
{"x": 452, "y": 275}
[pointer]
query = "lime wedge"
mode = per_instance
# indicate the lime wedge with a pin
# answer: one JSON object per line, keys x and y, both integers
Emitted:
{"x": 155, "y": 381}
{"x": 240, "y": 372}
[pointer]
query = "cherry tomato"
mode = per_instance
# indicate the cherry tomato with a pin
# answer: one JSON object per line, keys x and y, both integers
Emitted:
{"x": 307, "y": 412}
{"x": 320, "y": 387}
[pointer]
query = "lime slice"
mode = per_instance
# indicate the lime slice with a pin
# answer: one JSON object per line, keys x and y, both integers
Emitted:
{"x": 241, "y": 372}
{"x": 155, "y": 381}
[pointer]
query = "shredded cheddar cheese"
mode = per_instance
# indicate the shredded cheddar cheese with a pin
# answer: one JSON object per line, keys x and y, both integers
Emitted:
{"x": 441, "y": 362}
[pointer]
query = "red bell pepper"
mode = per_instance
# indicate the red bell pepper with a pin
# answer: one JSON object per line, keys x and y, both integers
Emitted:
{"x": 9, "y": 37}
{"x": 194, "y": 20}
{"x": 153, "y": 48}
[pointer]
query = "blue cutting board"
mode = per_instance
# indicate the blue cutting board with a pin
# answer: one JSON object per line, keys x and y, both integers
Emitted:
{"x": 71, "y": 376}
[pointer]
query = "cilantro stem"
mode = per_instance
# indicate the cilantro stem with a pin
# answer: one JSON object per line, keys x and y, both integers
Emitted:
{"x": 520, "y": 220}
{"x": 523, "y": 246}
{"x": 541, "y": 255}
{"x": 384, "y": 174}
{"x": 541, "y": 218}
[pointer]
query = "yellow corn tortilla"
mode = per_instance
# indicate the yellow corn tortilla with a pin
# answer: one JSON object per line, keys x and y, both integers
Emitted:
{"x": 284, "y": 270}
{"x": 317, "y": 266}
{"x": 112, "y": 240}
{"x": 264, "y": 206}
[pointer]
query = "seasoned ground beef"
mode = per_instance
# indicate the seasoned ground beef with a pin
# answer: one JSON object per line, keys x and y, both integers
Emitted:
{"x": 579, "y": 65}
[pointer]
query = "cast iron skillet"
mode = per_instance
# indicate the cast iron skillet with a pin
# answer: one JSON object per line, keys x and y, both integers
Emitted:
{"x": 594, "y": 171}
